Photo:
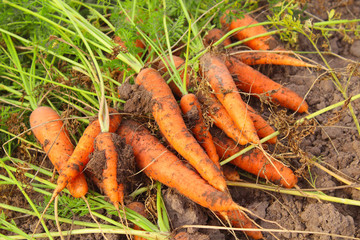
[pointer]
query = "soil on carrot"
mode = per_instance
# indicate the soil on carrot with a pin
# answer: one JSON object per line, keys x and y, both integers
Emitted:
{"x": 138, "y": 100}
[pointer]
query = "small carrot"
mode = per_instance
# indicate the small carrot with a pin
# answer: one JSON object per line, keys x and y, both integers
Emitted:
{"x": 252, "y": 81}
{"x": 157, "y": 162}
{"x": 230, "y": 173}
{"x": 221, "y": 81}
{"x": 263, "y": 129}
{"x": 49, "y": 130}
{"x": 214, "y": 35}
{"x": 138, "y": 207}
{"x": 259, "y": 43}
{"x": 105, "y": 143}
{"x": 80, "y": 156}
{"x": 255, "y": 162}
{"x": 190, "y": 104}
{"x": 257, "y": 58}
{"x": 167, "y": 115}
{"x": 221, "y": 118}
{"x": 179, "y": 63}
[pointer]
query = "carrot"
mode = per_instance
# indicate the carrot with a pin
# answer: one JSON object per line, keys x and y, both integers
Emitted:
{"x": 252, "y": 81}
{"x": 80, "y": 156}
{"x": 139, "y": 208}
{"x": 255, "y": 162}
{"x": 179, "y": 63}
{"x": 157, "y": 162}
{"x": 167, "y": 115}
{"x": 257, "y": 58}
{"x": 221, "y": 81}
{"x": 230, "y": 173}
{"x": 259, "y": 43}
{"x": 105, "y": 143}
{"x": 190, "y": 104}
{"x": 49, "y": 130}
{"x": 221, "y": 118}
{"x": 263, "y": 129}
{"x": 214, "y": 35}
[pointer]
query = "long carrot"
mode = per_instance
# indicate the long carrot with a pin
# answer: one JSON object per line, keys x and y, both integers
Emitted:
{"x": 221, "y": 81}
{"x": 105, "y": 143}
{"x": 80, "y": 156}
{"x": 49, "y": 130}
{"x": 214, "y": 35}
{"x": 257, "y": 58}
{"x": 263, "y": 128}
{"x": 255, "y": 162}
{"x": 221, "y": 118}
{"x": 259, "y": 43}
{"x": 179, "y": 63}
{"x": 190, "y": 104}
{"x": 167, "y": 115}
{"x": 157, "y": 162}
{"x": 252, "y": 81}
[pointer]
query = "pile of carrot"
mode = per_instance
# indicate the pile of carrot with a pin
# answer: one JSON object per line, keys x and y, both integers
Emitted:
{"x": 202, "y": 146}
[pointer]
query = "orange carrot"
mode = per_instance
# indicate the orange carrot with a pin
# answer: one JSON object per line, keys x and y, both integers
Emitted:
{"x": 221, "y": 81}
{"x": 105, "y": 143}
{"x": 214, "y": 35}
{"x": 255, "y": 162}
{"x": 179, "y": 63}
{"x": 167, "y": 115}
{"x": 230, "y": 173}
{"x": 80, "y": 156}
{"x": 256, "y": 58}
{"x": 221, "y": 118}
{"x": 190, "y": 104}
{"x": 252, "y": 81}
{"x": 259, "y": 43}
{"x": 139, "y": 208}
{"x": 263, "y": 129}
{"x": 157, "y": 162}
{"x": 49, "y": 130}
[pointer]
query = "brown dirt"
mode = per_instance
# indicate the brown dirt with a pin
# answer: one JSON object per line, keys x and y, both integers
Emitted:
{"x": 138, "y": 100}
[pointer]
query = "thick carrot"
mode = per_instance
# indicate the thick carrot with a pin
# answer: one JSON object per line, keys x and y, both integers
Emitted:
{"x": 179, "y": 63}
{"x": 263, "y": 129}
{"x": 252, "y": 81}
{"x": 257, "y": 58}
{"x": 214, "y": 35}
{"x": 259, "y": 43}
{"x": 157, "y": 162}
{"x": 167, "y": 115}
{"x": 80, "y": 156}
{"x": 105, "y": 143}
{"x": 255, "y": 162}
{"x": 221, "y": 81}
{"x": 49, "y": 130}
{"x": 190, "y": 104}
{"x": 221, "y": 118}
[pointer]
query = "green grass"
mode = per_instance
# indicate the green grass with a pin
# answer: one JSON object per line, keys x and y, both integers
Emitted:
{"x": 50, "y": 49}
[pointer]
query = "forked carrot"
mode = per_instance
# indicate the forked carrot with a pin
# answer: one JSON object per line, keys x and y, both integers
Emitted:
{"x": 257, "y": 58}
{"x": 190, "y": 104}
{"x": 259, "y": 43}
{"x": 157, "y": 162}
{"x": 263, "y": 128}
{"x": 167, "y": 115}
{"x": 221, "y": 118}
{"x": 53, "y": 136}
{"x": 252, "y": 81}
{"x": 221, "y": 81}
{"x": 179, "y": 63}
{"x": 213, "y": 36}
{"x": 255, "y": 162}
